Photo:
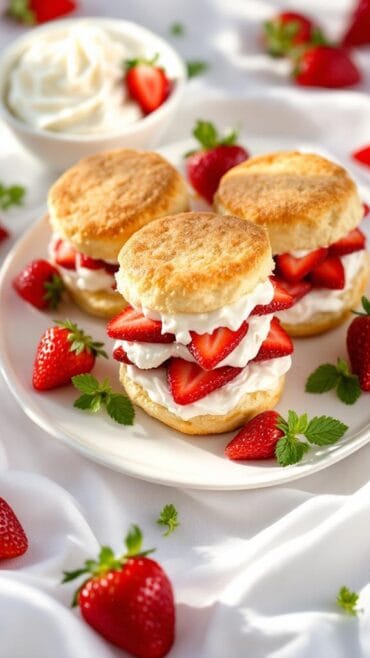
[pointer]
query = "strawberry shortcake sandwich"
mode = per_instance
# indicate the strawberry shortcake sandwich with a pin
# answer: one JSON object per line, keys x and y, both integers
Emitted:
{"x": 199, "y": 346}
{"x": 311, "y": 209}
{"x": 95, "y": 206}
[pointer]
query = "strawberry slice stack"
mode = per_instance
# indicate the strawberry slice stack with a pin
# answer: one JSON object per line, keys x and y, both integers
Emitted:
{"x": 196, "y": 364}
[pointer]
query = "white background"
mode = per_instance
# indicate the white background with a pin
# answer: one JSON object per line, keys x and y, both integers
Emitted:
{"x": 255, "y": 573}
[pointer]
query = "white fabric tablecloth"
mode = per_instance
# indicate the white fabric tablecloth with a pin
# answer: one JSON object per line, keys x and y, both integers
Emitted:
{"x": 255, "y": 573}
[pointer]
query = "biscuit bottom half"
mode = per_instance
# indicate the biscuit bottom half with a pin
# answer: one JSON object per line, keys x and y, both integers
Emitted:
{"x": 250, "y": 405}
{"x": 325, "y": 321}
{"x": 101, "y": 304}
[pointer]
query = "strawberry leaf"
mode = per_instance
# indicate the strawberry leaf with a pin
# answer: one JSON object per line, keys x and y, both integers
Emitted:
{"x": 54, "y": 291}
{"x": 133, "y": 541}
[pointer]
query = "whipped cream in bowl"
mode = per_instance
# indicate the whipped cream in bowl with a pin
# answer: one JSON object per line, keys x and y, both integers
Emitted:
{"x": 63, "y": 84}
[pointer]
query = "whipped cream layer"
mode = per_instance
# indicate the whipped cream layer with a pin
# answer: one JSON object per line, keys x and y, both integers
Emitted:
{"x": 82, "y": 278}
{"x": 152, "y": 355}
{"x": 70, "y": 80}
{"x": 323, "y": 300}
{"x": 258, "y": 376}
{"x": 230, "y": 316}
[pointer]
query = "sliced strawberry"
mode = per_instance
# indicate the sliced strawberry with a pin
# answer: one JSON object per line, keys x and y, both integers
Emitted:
{"x": 119, "y": 354}
{"x": 358, "y": 30}
{"x": 147, "y": 84}
{"x": 282, "y": 300}
{"x": 354, "y": 241}
{"x": 277, "y": 343}
{"x": 91, "y": 263}
{"x": 110, "y": 267}
{"x": 188, "y": 382}
{"x": 294, "y": 269}
{"x": 133, "y": 325}
{"x": 211, "y": 349}
{"x": 329, "y": 274}
{"x": 366, "y": 209}
{"x": 257, "y": 439}
{"x": 362, "y": 155}
{"x": 65, "y": 255}
{"x": 296, "y": 290}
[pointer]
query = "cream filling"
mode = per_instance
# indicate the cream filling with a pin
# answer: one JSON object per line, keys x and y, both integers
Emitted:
{"x": 82, "y": 278}
{"x": 258, "y": 376}
{"x": 322, "y": 300}
{"x": 70, "y": 80}
{"x": 231, "y": 315}
{"x": 152, "y": 355}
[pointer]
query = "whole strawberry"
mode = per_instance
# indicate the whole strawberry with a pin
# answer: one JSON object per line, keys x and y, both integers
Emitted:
{"x": 63, "y": 352}
{"x": 13, "y": 540}
{"x": 284, "y": 32}
{"x": 40, "y": 284}
{"x": 128, "y": 599}
{"x": 39, "y": 11}
{"x": 358, "y": 31}
{"x": 257, "y": 439}
{"x": 326, "y": 66}
{"x": 206, "y": 167}
{"x": 358, "y": 345}
{"x": 4, "y": 234}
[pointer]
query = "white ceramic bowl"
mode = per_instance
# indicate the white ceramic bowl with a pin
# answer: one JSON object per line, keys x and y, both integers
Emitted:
{"x": 60, "y": 150}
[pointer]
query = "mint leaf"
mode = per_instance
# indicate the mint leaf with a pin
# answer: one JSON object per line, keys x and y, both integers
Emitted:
{"x": 348, "y": 389}
{"x": 347, "y": 600}
{"x": 86, "y": 383}
{"x": 324, "y": 430}
{"x": 196, "y": 67}
{"x": 85, "y": 402}
{"x": 290, "y": 450}
{"x": 168, "y": 517}
{"x": 323, "y": 379}
{"x": 120, "y": 408}
{"x": 11, "y": 196}
{"x": 177, "y": 29}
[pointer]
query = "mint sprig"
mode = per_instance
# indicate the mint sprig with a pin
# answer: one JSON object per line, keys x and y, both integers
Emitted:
{"x": 169, "y": 518}
{"x": 348, "y": 600}
{"x": 195, "y": 67}
{"x": 96, "y": 395}
{"x": 320, "y": 431}
{"x": 177, "y": 29}
{"x": 328, "y": 377}
{"x": 11, "y": 196}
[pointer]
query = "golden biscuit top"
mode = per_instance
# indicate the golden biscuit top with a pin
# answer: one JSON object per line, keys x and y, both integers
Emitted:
{"x": 304, "y": 200}
{"x": 103, "y": 199}
{"x": 193, "y": 262}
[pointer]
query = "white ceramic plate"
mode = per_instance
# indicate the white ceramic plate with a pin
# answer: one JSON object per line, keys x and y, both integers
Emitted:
{"x": 150, "y": 450}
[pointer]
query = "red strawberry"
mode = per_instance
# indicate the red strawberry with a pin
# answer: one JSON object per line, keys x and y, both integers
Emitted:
{"x": 147, "y": 84}
{"x": 282, "y": 300}
{"x": 294, "y": 269}
{"x": 3, "y": 233}
{"x": 65, "y": 255}
{"x": 39, "y": 284}
{"x": 354, "y": 241}
{"x": 40, "y": 11}
{"x": 128, "y": 599}
{"x": 119, "y": 354}
{"x": 91, "y": 263}
{"x": 13, "y": 540}
{"x": 257, "y": 439}
{"x": 188, "y": 382}
{"x": 211, "y": 349}
{"x": 358, "y": 345}
{"x": 363, "y": 156}
{"x": 133, "y": 325}
{"x": 288, "y": 30}
{"x": 366, "y": 209}
{"x": 329, "y": 274}
{"x": 326, "y": 66}
{"x": 63, "y": 352}
{"x": 206, "y": 167}
{"x": 277, "y": 343}
{"x": 296, "y": 290}
{"x": 358, "y": 31}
